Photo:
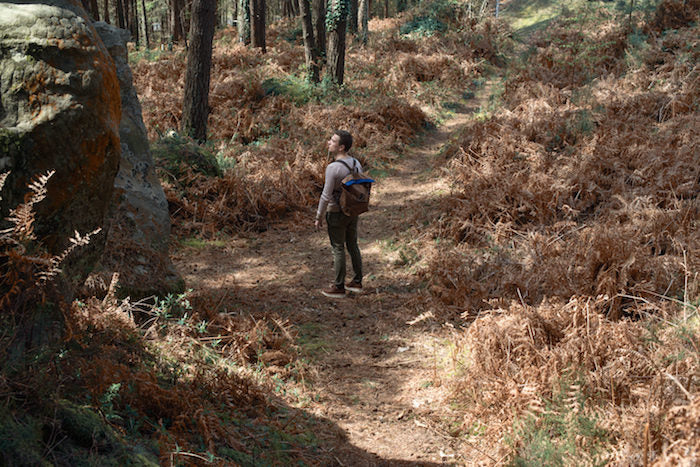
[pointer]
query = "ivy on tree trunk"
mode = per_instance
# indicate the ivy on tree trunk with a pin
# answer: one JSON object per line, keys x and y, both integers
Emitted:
{"x": 336, "y": 24}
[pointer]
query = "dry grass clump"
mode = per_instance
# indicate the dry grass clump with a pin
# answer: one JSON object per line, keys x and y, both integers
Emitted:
{"x": 632, "y": 385}
{"x": 564, "y": 193}
{"x": 572, "y": 207}
{"x": 674, "y": 14}
{"x": 565, "y": 55}
{"x": 177, "y": 372}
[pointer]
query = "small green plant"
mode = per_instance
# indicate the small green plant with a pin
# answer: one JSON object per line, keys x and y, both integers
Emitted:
{"x": 561, "y": 434}
{"x": 172, "y": 305}
{"x": 107, "y": 401}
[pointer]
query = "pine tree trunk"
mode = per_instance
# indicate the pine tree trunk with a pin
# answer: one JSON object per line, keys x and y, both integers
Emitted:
{"x": 243, "y": 21}
{"x": 363, "y": 20}
{"x": 257, "y": 24}
{"x": 134, "y": 22}
{"x": 120, "y": 15}
{"x": 337, "y": 16}
{"x": 106, "y": 13}
{"x": 176, "y": 28}
{"x": 352, "y": 16}
{"x": 127, "y": 14}
{"x": 145, "y": 24}
{"x": 94, "y": 11}
{"x": 310, "y": 50}
{"x": 319, "y": 16}
{"x": 196, "y": 103}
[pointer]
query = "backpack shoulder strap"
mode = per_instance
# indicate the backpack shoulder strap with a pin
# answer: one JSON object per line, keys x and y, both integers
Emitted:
{"x": 346, "y": 165}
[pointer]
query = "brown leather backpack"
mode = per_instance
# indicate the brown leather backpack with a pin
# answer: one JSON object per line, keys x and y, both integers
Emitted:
{"x": 355, "y": 189}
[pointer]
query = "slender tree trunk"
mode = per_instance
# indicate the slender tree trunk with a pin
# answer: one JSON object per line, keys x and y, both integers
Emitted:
{"x": 319, "y": 16}
{"x": 176, "y": 29}
{"x": 145, "y": 24}
{"x": 288, "y": 9}
{"x": 363, "y": 19}
{"x": 337, "y": 24}
{"x": 310, "y": 50}
{"x": 243, "y": 21}
{"x": 257, "y": 24}
{"x": 196, "y": 103}
{"x": 386, "y": 8}
{"x": 94, "y": 10}
{"x": 127, "y": 14}
{"x": 134, "y": 22}
{"x": 352, "y": 16}
{"x": 105, "y": 18}
{"x": 120, "y": 15}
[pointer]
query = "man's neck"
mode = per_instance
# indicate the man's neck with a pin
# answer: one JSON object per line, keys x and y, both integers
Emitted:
{"x": 340, "y": 155}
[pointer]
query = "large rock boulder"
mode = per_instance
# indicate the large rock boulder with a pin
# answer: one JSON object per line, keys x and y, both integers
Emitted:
{"x": 138, "y": 220}
{"x": 59, "y": 110}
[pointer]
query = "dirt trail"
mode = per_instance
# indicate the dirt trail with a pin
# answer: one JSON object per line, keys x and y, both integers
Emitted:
{"x": 377, "y": 375}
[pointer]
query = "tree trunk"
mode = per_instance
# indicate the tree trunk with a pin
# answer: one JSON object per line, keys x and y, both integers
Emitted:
{"x": 145, "y": 24}
{"x": 337, "y": 16}
{"x": 126, "y": 4}
{"x": 319, "y": 15}
{"x": 363, "y": 19}
{"x": 196, "y": 103}
{"x": 120, "y": 15}
{"x": 94, "y": 10}
{"x": 352, "y": 16}
{"x": 386, "y": 8}
{"x": 257, "y": 24}
{"x": 288, "y": 10}
{"x": 134, "y": 22}
{"x": 106, "y": 13}
{"x": 310, "y": 50}
{"x": 177, "y": 32}
{"x": 243, "y": 21}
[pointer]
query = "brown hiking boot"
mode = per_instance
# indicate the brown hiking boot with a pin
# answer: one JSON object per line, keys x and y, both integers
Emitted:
{"x": 354, "y": 286}
{"x": 334, "y": 292}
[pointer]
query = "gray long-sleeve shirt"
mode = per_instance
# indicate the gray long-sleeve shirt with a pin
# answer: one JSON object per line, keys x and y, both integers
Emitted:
{"x": 335, "y": 173}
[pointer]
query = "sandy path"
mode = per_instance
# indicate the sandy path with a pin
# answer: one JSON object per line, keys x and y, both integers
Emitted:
{"x": 377, "y": 375}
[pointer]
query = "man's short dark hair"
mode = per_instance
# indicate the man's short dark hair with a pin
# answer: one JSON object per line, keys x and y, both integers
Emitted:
{"x": 344, "y": 138}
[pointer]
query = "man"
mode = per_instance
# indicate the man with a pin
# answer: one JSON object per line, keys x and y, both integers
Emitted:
{"x": 342, "y": 229}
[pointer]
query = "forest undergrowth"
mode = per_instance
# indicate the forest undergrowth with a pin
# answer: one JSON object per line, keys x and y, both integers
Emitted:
{"x": 569, "y": 244}
{"x": 565, "y": 256}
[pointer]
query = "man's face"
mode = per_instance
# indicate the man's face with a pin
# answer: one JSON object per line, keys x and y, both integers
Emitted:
{"x": 333, "y": 144}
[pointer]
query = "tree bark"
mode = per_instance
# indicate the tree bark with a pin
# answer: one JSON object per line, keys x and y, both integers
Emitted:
{"x": 319, "y": 16}
{"x": 94, "y": 10}
{"x": 145, "y": 24}
{"x": 243, "y": 21}
{"x": 134, "y": 22}
{"x": 352, "y": 16}
{"x": 363, "y": 20}
{"x": 257, "y": 24}
{"x": 337, "y": 24}
{"x": 386, "y": 8}
{"x": 120, "y": 15}
{"x": 196, "y": 103}
{"x": 310, "y": 50}
{"x": 106, "y": 13}
{"x": 177, "y": 31}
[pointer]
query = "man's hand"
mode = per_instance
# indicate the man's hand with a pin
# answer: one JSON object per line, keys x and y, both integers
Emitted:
{"x": 318, "y": 223}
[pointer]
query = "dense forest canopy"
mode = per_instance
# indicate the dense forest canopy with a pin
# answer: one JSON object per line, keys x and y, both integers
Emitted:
{"x": 532, "y": 244}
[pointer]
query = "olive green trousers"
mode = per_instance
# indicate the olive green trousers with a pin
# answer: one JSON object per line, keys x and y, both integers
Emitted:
{"x": 342, "y": 231}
